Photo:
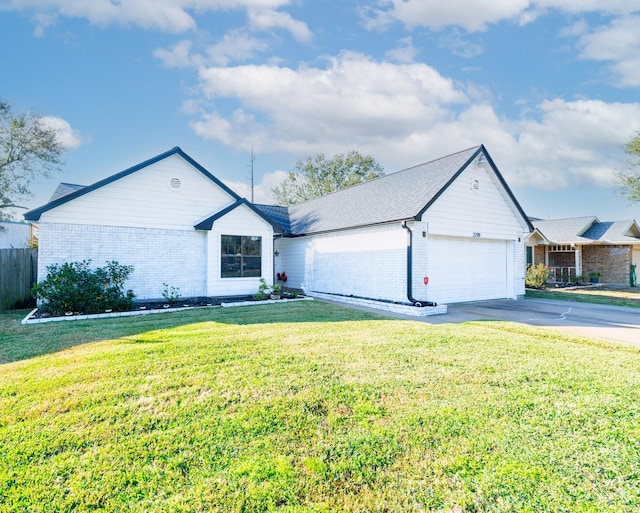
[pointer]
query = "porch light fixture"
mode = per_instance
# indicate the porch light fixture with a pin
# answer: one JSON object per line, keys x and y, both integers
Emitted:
{"x": 277, "y": 253}
{"x": 481, "y": 161}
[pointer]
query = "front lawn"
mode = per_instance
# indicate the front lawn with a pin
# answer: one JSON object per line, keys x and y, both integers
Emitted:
{"x": 311, "y": 407}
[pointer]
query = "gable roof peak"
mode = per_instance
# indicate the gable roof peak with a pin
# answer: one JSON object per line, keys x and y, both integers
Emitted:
{"x": 387, "y": 175}
{"x": 400, "y": 196}
{"x": 34, "y": 215}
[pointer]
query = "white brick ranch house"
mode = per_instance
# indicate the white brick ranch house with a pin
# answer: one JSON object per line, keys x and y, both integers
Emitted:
{"x": 446, "y": 231}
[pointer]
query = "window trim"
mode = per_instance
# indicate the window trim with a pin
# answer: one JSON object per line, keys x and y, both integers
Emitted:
{"x": 242, "y": 256}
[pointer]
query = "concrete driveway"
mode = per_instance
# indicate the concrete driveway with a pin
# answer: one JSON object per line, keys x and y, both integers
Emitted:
{"x": 614, "y": 323}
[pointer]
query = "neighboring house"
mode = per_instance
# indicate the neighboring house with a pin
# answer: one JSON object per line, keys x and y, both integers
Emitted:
{"x": 583, "y": 245}
{"x": 446, "y": 231}
{"x": 169, "y": 218}
{"x": 14, "y": 234}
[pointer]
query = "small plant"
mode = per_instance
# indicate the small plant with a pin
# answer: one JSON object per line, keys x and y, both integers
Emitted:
{"x": 276, "y": 290}
{"x": 171, "y": 294}
{"x": 282, "y": 277}
{"x": 74, "y": 287}
{"x": 262, "y": 290}
{"x": 537, "y": 276}
{"x": 594, "y": 276}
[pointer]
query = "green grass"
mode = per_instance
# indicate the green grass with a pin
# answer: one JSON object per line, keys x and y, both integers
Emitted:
{"x": 597, "y": 296}
{"x": 310, "y": 407}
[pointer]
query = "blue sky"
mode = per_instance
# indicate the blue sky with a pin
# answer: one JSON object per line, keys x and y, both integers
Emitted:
{"x": 550, "y": 87}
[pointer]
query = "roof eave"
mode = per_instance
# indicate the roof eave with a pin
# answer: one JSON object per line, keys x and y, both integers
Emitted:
{"x": 293, "y": 234}
{"x": 207, "y": 224}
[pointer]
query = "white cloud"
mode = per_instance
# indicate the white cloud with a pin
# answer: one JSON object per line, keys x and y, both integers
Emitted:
{"x": 262, "y": 191}
{"x": 461, "y": 46}
{"x": 168, "y": 15}
{"x": 474, "y": 15}
{"x": 267, "y": 19}
{"x": 436, "y": 15}
{"x": 404, "y": 52}
{"x": 617, "y": 43}
{"x": 352, "y": 100}
{"x": 178, "y": 56}
{"x": 66, "y": 135}
{"x": 573, "y": 143}
{"x": 577, "y": 29}
{"x": 235, "y": 46}
{"x": 581, "y": 6}
{"x": 42, "y": 21}
{"x": 404, "y": 114}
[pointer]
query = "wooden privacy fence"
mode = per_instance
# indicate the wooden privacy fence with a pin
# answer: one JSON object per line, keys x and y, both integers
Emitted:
{"x": 18, "y": 273}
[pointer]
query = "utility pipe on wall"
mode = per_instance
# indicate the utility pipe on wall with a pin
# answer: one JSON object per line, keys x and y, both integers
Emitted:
{"x": 410, "y": 297}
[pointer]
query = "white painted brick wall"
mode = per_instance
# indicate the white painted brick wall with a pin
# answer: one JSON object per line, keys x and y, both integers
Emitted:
{"x": 520, "y": 265}
{"x": 175, "y": 257}
{"x": 367, "y": 262}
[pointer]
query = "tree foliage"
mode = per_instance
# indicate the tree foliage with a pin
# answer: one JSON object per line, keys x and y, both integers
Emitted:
{"x": 28, "y": 148}
{"x": 629, "y": 183}
{"x": 318, "y": 176}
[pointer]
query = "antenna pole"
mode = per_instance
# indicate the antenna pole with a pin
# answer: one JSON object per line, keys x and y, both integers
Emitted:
{"x": 253, "y": 158}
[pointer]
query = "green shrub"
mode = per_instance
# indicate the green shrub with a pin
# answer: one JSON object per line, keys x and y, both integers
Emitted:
{"x": 170, "y": 293}
{"x": 537, "y": 276}
{"x": 262, "y": 290}
{"x": 74, "y": 287}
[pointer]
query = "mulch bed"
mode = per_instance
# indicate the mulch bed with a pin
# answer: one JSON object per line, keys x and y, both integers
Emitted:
{"x": 164, "y": 305}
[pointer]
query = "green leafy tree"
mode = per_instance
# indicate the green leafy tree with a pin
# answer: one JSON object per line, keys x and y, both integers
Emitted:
{"x": 28, "y": 149}
{"x": 318, "y": 176}
{"x": 629, "y": 183}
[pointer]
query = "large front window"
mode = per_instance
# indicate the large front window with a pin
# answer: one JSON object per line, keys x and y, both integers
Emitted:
{"x": 241, "y": 256}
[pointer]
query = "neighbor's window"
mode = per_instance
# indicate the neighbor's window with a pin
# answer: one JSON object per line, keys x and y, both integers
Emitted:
{"x": 241, "y": 256}
{"x": 529, "y": 255}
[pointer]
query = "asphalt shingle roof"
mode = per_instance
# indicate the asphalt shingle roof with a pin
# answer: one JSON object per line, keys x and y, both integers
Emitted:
{"x": 564, "y": 231}
{"x": 399, "y": 196}
{"x": 587, "y": 230}
{"x": 64, "y": 189}
{"x": 280, "y": 215}
{"x": 394, "y": 197}
{"x": 616, "y": 232}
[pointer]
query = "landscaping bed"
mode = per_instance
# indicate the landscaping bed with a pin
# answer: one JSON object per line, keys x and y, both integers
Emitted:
{"x": 40, "y": 315}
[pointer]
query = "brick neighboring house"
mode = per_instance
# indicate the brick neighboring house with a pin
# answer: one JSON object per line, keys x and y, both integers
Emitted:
{"x": 582, "y": 245}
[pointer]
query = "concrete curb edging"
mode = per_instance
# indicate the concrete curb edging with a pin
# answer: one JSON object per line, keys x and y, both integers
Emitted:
{"x": 265, "y": 302}
{"x": 28, "y": 320}
{"x": 383, "y": 305}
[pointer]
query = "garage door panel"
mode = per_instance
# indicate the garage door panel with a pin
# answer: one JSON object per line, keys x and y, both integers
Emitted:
{"x": 466, "y": 270}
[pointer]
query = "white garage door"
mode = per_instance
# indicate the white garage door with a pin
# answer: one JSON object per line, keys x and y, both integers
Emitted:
{"x": 466, "y": 270}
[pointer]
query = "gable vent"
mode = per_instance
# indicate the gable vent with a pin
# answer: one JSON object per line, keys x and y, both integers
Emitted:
{"x": 175, "y": 184}
{"x": 475, "y": 184}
